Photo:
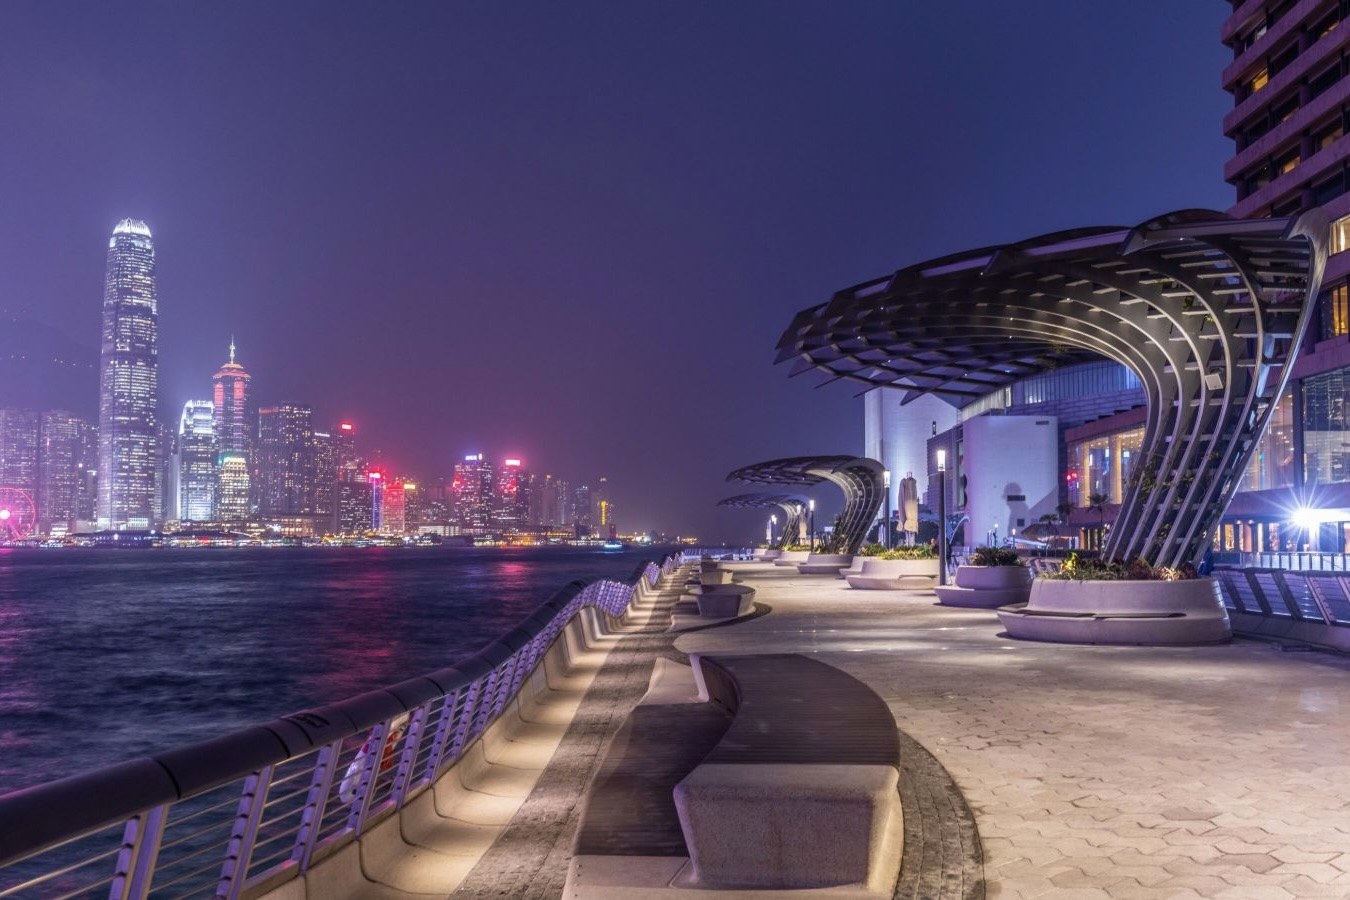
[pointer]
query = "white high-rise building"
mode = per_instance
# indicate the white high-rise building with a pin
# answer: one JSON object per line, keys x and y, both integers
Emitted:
{"x": 129, "y": 382}
{"x": 197, "y": 452}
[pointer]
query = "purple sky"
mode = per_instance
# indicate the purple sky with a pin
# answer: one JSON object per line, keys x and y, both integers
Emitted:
{"x": 571, "y": 231}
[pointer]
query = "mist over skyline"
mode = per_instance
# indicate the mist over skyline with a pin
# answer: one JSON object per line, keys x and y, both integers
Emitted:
{"x": 572, "y": 234}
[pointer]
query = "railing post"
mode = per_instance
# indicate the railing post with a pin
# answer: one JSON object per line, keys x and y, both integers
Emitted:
{"x": 244, "y": 834}
{"x": 311, "y": 819}
{"x": 440, "y": 741}
{"x": 140, "y": 850}
{"x": 467, "y": 715}
{"x": 412, "y": 742}
{"x": 369, "y": 776}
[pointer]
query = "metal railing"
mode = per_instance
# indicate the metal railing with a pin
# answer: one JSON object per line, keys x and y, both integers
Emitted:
{"x": 1302, "y": 562}
{"x": 246, "y": 812}
{"x": 1309, "y": 606}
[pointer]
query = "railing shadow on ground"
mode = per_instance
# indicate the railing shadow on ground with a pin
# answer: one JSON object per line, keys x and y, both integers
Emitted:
{"x": 245, "y": 813}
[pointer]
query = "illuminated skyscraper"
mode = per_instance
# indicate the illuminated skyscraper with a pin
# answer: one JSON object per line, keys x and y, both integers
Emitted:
{"x": 394, "y": 507}
{"x": 286, "y": 462}
{"x": 19, "y": 450}
{"x": 512, "y": 490}
{"x": 474, "y": 506}
{"x": 325, "y": 476}
{"x": 197, "y": 455}
{"x": 129, "y": 382}
{"x": 233, "y": 440}
{"x": 582, "y": 521}
{"x": 67, "y": 449}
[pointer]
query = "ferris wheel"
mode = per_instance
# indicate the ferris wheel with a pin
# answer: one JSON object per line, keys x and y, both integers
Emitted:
{"x": 18, "y": 516}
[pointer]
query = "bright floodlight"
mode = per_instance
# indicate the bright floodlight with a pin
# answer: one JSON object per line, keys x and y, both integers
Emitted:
{"x": 1306, "y": 517}
{"x": 4, "y": 514}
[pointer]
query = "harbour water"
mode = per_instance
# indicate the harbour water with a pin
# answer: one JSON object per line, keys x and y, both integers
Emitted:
{"x": 106, "y": 655}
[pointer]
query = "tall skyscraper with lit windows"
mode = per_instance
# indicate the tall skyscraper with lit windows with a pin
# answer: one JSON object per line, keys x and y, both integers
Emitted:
{"x": 287, "y": 467}
{"x": 197, "y": 456}
{"x": 234, "y": 443}
{"x": 129, "y": 382}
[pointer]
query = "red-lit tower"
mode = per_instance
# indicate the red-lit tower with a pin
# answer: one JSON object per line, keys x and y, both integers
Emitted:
{"x": 233, "y": 440}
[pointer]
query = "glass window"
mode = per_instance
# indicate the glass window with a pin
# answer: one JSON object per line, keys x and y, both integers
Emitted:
{"x": 1326, "y": 443}
{"x": 1340, "y": 235}
{"x": 1258, "y": 80}
{"x": 1334, "y": 303}
{"x": 1272, "y": 465}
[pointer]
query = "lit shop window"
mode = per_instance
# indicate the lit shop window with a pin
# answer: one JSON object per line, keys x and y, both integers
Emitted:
{"x": 1340, "y": 235}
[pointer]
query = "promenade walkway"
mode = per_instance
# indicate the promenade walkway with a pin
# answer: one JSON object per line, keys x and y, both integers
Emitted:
{"x": 1090, "y": 772}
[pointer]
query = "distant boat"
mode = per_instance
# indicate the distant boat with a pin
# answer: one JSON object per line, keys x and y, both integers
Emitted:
{"x": 612, "y": 545}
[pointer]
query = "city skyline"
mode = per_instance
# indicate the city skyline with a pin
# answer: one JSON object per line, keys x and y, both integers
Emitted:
{"x": 451, "y": 224}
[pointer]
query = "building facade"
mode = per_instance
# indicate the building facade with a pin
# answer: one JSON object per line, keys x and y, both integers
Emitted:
{"x": 475, "y": 499}
{"x": 67, "y": 454}
{"x": 129, "y": 382}
{"x": 234, "y": 441}
{"x": 286, "y": 461}
{"x": 196, "y": 455}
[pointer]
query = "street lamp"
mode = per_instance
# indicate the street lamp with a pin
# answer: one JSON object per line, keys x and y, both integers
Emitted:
{"x": 811, "y": 523}
{"x": 942, "y": 516}
{"x": 886, "y": 518}
{"x": 773, "y": 520}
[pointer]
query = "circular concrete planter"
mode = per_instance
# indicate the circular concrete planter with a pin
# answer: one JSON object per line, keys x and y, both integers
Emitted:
{"x": 1121, "y": 612}
{"x": 766, "y": 555}
{"x": 791, "y": 557}
{"x": 987, "y": 587}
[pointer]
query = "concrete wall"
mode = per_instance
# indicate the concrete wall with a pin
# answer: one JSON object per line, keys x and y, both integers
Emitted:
{"x": 1007, "y": 458}
{"x": 897, "y": 436}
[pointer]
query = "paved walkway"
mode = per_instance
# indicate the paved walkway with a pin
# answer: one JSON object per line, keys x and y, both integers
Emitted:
{"x": 1097, "y": 772}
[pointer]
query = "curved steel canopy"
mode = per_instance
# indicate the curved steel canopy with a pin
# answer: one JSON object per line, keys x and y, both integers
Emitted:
{"x": 1204, "y": 308}
{"x": 792, "y": 505}
{"x": 859, "y": 478}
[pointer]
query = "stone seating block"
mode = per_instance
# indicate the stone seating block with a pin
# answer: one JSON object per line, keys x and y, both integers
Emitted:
{"x": 790, "y": 826}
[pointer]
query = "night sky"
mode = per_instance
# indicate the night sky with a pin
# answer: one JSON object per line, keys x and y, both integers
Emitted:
{"x": 571, "y": 231}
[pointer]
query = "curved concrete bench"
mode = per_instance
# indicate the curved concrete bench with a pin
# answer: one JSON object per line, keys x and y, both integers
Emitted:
{"x": 1121, "y": 612}
{"x": 825, "y": 563}
{"x": 785, "y": 776}
{"x": 791, "y": 557}
{"x": 765, "y": 555}
{"x": 802, "y": 791}
{"x": 854, "y": 568}
{"x": 987, "y": 587}
{"x": 895, "y": 574}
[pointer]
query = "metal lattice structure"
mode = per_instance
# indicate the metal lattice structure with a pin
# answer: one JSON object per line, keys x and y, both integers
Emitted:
{"x": 859, "y": 478}
{"x": 792, "y": 505}
{"x": 1205, "y": 309}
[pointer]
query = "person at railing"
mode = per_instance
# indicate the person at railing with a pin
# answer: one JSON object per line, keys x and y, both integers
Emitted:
{"x": 352, "y": 780}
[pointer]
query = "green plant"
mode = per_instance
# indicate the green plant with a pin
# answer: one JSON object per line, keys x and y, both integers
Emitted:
{"x": 995, "y": 556}
{"x": 1075, "y": 568}
{"x": 873, "y": 550}
{"x": 918, "y": 551}
{"x": 797, "y": 548}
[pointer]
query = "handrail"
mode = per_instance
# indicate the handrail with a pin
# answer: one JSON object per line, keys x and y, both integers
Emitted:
{"x": 325, "y": 758}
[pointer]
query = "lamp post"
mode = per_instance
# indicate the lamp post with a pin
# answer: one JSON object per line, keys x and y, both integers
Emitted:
{"x": 886, "y": 518}
{"x": 942, "y": 516}
{"x": 773, "y": 520}
{"x": 811, "y": 523}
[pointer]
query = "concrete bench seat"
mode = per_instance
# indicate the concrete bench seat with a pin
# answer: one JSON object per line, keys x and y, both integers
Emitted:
{"x": 1120, "y": 612}
{"x": 802, "y": 791}
{"x": 785, "y": 777}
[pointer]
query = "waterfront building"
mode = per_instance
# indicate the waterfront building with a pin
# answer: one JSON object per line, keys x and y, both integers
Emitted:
{"x": 582, "y": 516}
{"x": 377, "y": 486}
{"x": 129, "y": 382}
{"x": 286, "y": 462}
{"x": 230, "y": 409}
{"x": 67, "y": 450}
{"x": 353, "y": 499}
{"x": 351, "y": 465}
{"x": 1291, "y": 104}
{"x": 196, "y": 456}
{"x": 19, "y": 452}
{"x": 475, "y": 505}
{"x": 393, "y": 505}
{"x": 325, "y": 476}
{"x": 512, "y": 488}
{"x": 549, "y": 502}
{"x": 604, "y": 509}
{"x": 232, "y": 487}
